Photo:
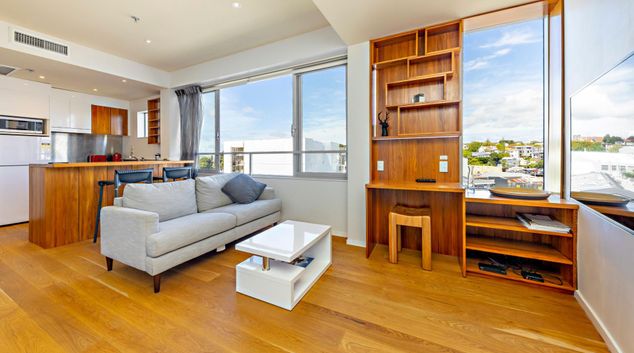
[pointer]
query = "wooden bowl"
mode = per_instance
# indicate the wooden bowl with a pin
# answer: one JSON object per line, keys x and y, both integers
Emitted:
{"x": 519, "y": 193}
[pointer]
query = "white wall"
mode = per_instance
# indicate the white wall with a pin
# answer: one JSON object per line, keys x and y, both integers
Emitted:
{"x": 358, "y": 139}
{"x": 312, "y": 200}
{"x": 598, "y": 34}
{"x": 140, "y": 145}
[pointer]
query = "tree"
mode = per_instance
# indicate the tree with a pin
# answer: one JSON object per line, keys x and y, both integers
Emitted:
{"x": 474, "y": 146}
{"x": 587, "y": 146}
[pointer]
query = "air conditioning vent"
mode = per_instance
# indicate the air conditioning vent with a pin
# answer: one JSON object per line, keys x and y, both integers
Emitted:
{"x": 6, "y": 70}
{"x": 36, "y": 42}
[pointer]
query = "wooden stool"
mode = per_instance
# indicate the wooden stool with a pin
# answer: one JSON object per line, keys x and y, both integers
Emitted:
{"x": 410, "y": 217}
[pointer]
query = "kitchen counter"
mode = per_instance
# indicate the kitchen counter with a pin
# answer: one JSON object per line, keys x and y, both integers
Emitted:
{"x": 107, "y": 164}
{"x": 63, "y": 197}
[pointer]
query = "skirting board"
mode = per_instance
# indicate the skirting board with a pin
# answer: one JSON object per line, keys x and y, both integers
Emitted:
{"x": 354, "y": 242}
{"x": 598, "y": 324}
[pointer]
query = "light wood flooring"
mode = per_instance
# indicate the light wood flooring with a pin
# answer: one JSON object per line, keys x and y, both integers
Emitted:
{"x": 63, "y": 300}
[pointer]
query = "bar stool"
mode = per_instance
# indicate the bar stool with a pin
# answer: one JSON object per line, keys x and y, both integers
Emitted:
{"x": 410, "y": 217}
{"x": 120, "y": 177}
{"x": 176, "y": 173}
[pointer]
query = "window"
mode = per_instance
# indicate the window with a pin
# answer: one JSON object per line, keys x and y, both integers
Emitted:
{"x": 291, "y": 124}
{"x": 504, "y": 100}
{"x": 141, "y": 124}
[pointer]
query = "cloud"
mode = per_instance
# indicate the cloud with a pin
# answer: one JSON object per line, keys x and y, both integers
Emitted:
{"x": 513, "y": 38}
{"x": 483, "y": 61}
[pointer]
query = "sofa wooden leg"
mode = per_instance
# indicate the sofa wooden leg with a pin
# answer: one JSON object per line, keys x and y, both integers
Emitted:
{"x": 157, "y": 283}
{"x": 109, "y": 263}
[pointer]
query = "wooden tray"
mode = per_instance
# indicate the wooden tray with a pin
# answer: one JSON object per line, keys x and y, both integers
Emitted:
{"x": 597, "y": 198}
{"x": 518, "y": 193}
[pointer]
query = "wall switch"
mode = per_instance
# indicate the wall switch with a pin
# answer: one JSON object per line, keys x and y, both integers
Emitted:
{"x": 443, "y": 158}
{"x": 443, "y": 167}
{"x": 380, "y": 166}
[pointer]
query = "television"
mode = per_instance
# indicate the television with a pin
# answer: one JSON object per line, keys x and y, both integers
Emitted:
{"x": 602, "y": 144}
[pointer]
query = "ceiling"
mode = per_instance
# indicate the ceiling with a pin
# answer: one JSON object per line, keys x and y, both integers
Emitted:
{"x": 360, "y": 20}
{"x": 182, "y": 33}
{"x": 74, "y": 78}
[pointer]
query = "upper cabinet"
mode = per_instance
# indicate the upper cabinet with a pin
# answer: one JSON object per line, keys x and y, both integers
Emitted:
{"x": 70, "y": 111}
{"x": 109, "y": 120}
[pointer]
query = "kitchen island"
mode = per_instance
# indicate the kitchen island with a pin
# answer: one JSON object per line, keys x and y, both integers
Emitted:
{"x": 63, "y": 197}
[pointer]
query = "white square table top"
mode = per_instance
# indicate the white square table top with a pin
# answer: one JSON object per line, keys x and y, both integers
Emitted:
{"x": 285, "y": 241}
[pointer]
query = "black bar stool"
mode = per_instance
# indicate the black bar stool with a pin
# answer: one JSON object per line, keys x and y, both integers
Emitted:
{"x": 120, "y": 177}
{"x": 176, "y": 173}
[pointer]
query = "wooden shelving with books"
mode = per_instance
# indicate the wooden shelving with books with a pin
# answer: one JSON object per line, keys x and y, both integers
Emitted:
{"x": 494, "y": 235}
{"x": 154, "y": 121}
{"x": 421, "y": 91}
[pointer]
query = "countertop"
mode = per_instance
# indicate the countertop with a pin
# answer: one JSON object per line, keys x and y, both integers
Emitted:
{"x": 107, "y": 164}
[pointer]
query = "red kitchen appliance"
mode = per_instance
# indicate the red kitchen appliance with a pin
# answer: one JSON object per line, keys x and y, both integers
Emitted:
{"x": 97, "y": 158}
{"x": 116, "y": 157}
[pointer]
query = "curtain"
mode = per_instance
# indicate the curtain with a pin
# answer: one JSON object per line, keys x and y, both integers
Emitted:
{"x": 191, "y": 110}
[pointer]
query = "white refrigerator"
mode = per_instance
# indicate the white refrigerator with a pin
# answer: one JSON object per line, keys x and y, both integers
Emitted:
{"x": 16, "y": 153}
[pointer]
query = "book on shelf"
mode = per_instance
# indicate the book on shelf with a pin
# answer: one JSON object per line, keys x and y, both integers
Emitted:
{"x": 302, "y": 261}
{"x": 542, "y": 222}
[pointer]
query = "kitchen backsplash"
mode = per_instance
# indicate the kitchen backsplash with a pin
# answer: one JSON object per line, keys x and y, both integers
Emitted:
{"x": 69, "y": 147}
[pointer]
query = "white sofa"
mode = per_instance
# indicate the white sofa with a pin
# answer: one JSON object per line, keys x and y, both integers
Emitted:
{"x": 155, "y": 227}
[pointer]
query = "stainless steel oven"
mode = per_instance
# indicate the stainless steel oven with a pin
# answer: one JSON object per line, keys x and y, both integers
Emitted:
{"x": 21, "y": 126}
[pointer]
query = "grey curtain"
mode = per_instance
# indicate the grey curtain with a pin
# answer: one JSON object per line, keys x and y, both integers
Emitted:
{"x": 191, "y": 109}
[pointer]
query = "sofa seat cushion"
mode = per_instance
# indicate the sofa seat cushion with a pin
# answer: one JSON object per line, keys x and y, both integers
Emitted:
{"x": 246, "y": 213}
{"x": 169, "y": 200}
{"x": 179, "y": 232}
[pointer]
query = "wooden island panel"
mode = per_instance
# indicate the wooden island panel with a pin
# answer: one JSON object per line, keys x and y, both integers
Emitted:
{"x": 63, "y": 198}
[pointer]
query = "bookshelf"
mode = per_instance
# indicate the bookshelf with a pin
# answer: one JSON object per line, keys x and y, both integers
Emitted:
{"x": 154, "y": 121}
{"x": 492, "y": 230}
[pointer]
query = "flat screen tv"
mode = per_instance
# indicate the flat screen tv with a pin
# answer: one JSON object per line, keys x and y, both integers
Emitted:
{"x": 602, "y": 144}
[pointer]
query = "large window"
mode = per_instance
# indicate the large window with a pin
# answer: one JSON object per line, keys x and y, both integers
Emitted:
{"x": 292, "y": 124}
{"x": 504, "y": 100}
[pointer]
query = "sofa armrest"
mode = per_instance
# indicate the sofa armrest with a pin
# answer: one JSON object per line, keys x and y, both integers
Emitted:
{"x": 123, "y": 234}
{"x": 267, "y": 194}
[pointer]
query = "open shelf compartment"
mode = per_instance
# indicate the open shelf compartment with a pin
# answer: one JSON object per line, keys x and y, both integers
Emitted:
{"x": 511, "y": 247}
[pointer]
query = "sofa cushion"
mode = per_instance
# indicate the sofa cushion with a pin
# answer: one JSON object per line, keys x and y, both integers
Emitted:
{"x": 243, "y": 189}
{"x": 169, "y": 200}
{"x": 179, "y": 232}
{"x": 209, "y": 191}
{"x": 246, "y": 213}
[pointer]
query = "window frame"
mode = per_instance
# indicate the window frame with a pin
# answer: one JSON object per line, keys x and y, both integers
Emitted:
{"x": 295, "y": 123}
{"x": 144, "y": 113}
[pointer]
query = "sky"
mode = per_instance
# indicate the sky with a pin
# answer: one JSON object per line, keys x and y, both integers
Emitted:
{"x": 503, "y": 82}
{"x": 264, "y": 109}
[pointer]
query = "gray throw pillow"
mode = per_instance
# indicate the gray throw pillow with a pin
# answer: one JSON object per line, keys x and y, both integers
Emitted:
{"x": 243, "y": 189}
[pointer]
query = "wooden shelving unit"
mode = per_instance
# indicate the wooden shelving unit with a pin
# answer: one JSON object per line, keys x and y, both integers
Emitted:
{"x": 154, "y": 121}
{"x": 492, "y": 230}
{"x": 403, "y": 65}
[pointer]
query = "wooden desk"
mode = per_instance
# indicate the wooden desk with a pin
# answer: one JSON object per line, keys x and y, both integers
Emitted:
{"x": 446, "y": 201}
{"x": 63, "y": 198}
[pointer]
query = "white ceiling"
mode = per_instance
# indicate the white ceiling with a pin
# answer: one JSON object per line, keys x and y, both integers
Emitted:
{"x": 359, "y": 20}
{"x": 183, "y": 33}
{"x": 74, "y": 78}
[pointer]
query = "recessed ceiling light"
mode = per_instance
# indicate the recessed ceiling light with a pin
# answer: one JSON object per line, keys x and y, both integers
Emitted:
{"x": 148, "y": 41}
{"x": 124, "y": 80}
{"x": 94, "y": 89}
{"x": 42, "y": 77}
{"x": 236, "y": 5}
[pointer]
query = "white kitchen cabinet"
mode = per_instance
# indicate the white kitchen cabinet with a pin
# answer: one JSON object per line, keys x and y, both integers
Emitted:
{"x": 60, "y": 109}
{"x": 70, "y": 111}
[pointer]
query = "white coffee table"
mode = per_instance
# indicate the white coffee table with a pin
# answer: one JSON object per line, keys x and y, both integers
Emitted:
{"x": 269, "y": 276}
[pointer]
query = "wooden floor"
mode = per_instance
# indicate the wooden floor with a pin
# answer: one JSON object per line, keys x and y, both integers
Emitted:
{"x": 63, "y": 300}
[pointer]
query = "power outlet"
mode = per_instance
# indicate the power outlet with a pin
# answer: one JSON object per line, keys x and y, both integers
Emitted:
{"x": 380, "y": 166}
{"x": 443, "y": 167}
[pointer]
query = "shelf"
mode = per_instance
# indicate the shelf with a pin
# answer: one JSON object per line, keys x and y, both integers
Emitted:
{"x": 154, "y": 110}
{"x": 422, "y": 105}
{"x": 505, "y": 223}
{"x": 413, "y": 59}
{"x": 435, "y": 77}
{"x": 527, "y": 250}
{"x": 414, "y": 186}
{"x": 484, "y": 196}
{"x": 393, "y": 62}
{"x": 430, "y": 135}
{"x": 472, "y": 267}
